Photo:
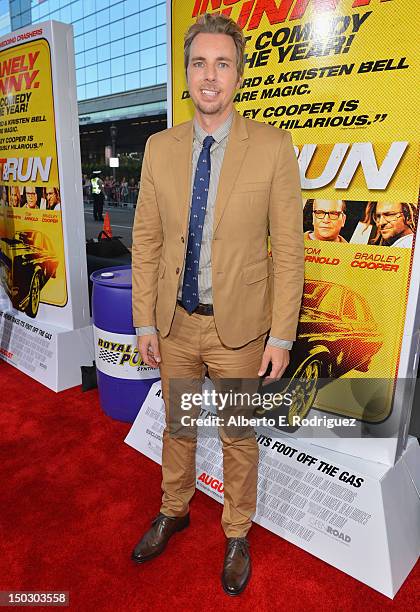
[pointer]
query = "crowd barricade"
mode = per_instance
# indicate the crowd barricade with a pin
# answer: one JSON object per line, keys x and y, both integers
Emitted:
{"x": 113, "y": 196}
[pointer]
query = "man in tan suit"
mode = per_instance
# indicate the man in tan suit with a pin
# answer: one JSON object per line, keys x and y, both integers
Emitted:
{"x": 205, "y": 292}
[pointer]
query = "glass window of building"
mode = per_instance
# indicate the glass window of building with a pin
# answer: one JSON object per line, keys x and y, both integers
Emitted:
{"x": 5, "y": 25}
{"x": 130, "y": 32}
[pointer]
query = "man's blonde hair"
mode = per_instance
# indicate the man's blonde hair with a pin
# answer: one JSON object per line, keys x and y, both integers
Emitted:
{"x": 216, "y": 24}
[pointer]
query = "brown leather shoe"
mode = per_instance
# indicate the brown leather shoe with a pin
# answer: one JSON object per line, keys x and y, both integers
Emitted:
{"x": 237, "y": 566}
{"x": 156, "y": 538}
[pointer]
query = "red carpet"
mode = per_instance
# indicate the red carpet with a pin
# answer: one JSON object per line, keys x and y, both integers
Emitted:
{"x": 75, "y": 499}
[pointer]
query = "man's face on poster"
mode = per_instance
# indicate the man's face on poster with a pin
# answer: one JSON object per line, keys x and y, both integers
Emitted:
{"x": 31, "y": 197}
{"x": 389, "y": 218}
{"x": 15, "y": 196}
{"x": 52, "y": 199}
{"x": 328, "y": 219}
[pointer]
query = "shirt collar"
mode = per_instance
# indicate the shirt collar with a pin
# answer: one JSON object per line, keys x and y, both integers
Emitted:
{"x": 219, "y": 134}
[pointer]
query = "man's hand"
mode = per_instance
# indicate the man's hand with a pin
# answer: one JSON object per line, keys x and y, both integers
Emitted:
{"x": 279, "y": 358}
{"x": 148, "y": 346}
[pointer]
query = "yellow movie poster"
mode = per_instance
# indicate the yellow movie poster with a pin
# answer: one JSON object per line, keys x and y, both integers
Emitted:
{"x": 341, "y": 76}
{"x": 32, "y": 262}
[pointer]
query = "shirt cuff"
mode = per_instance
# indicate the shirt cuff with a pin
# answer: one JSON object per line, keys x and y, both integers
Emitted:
{"x": 146, "y": 330}
{"x": 286, "y": 344}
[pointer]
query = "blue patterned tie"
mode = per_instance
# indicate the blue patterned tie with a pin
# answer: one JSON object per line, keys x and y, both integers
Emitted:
{"x": 198, "y": 212}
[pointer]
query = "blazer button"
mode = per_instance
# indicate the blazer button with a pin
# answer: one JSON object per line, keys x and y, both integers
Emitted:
{"x": 177, "y": 270}
{"x": 182, "y": 239}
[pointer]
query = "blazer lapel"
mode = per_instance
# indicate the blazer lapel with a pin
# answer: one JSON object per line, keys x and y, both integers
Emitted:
{"x": 181, "y": 155}
{"x": 236, "y": 148}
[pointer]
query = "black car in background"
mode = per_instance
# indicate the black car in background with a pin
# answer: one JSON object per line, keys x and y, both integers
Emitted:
{"x": 27, "y": 262}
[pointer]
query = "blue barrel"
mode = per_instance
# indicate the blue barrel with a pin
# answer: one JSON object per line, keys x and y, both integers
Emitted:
{"x": 123, "y": 379}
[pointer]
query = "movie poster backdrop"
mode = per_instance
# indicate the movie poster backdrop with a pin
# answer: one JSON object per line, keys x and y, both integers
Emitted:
{"x": 31, "y": 232}
{"x": 341, "y": 76}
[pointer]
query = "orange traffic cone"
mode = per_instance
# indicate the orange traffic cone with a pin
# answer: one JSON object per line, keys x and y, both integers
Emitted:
{"x": 107, "y": 226}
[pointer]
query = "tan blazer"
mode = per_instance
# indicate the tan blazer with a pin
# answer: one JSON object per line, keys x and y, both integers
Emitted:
{"x": 259, "y": 191}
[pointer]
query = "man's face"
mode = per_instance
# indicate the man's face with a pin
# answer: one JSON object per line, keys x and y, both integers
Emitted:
{"x": 51, "y": 198}
{"x": 211, "y": 73}
{"x": 328, "y": 226}
{"x": 390, "y": 221}
{"x": 31, "y": 197}
{"x": 16, "y": 196}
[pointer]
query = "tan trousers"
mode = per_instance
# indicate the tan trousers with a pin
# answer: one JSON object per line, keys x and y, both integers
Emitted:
{"x": 193, "y": 344}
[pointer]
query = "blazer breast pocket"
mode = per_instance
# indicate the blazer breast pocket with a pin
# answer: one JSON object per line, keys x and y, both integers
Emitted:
{"x": 251, "y": 186}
